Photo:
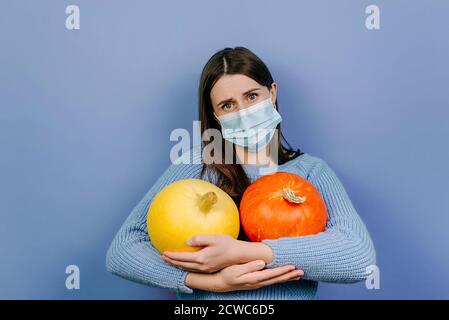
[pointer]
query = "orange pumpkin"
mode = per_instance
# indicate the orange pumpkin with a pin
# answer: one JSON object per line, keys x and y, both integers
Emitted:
{"x": 282, "y": 204}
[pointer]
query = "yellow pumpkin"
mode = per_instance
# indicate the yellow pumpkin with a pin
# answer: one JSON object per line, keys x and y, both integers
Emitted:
{"x": 189, "y": 207}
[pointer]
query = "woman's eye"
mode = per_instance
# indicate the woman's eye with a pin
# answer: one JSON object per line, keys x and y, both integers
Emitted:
{"x": 252, "y": 94}
{"x": 226, "y": 106}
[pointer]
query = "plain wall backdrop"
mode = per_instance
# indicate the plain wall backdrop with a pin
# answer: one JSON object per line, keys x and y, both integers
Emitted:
{"x": 85, "y": 119}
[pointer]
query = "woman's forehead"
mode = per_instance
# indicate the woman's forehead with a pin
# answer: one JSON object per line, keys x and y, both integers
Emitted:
{"x": 230, "y": 86}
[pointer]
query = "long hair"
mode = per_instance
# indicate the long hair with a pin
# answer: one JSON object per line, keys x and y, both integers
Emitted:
{"x": 232, "y": 178}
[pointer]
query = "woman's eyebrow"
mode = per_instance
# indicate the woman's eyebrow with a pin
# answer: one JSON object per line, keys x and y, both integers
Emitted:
{"x": 243, "y": 94}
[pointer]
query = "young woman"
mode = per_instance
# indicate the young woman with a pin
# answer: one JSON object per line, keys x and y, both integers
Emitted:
{"x": 236, "y": 96}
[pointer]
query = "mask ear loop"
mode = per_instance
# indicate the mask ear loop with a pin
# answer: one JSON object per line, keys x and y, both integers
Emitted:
{"x": 273, "y": 103}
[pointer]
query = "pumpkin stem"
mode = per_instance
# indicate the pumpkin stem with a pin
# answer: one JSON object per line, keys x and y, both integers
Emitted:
{"x": 290, "y": 196}
{"x": 207, "y": 200}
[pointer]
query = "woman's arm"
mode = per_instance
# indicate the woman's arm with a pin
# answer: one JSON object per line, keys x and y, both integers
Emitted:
{"x": 339, "y": 254}
{"x": 131, "y": 254}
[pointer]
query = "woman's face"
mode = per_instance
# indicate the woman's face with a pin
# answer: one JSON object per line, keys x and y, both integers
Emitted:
{"x": 236, "y": 92}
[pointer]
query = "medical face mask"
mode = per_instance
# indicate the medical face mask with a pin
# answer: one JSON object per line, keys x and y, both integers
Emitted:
{"x": 252, "y": 127}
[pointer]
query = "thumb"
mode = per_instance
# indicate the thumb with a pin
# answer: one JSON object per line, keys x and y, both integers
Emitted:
{"x": 200, "y": 240}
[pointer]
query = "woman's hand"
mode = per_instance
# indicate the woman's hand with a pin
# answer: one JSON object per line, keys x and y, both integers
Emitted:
{"x": 246, "y": 276}
{"x": 219, "y": 251}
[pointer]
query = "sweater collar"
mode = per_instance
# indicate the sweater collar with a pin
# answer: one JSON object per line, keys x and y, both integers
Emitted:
{"x": 256, "y": 170}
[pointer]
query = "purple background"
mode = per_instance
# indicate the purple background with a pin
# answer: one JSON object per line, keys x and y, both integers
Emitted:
{"x": 85, "y": 118}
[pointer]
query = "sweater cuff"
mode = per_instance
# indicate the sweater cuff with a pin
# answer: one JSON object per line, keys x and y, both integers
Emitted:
{"x": 278, "y": 259}
{"x": 181, "y": 285}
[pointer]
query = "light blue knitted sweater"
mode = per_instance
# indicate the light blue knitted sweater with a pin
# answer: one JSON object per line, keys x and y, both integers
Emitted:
{"x": 339, "y": 254}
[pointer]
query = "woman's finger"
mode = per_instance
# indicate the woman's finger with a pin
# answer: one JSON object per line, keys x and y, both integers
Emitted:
{"x": 266, "y": 274}
{"x": 204, "y": 239}
{"x": 182, "y": 256}
{"x": 282, "y": 278}
{"x": 249, "y": 267}
{"x": 192, "y": 266}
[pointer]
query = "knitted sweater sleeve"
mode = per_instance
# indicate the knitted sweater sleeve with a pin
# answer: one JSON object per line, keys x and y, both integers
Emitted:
{"x": 131, "y": 254}
{"x": 343, "y": 251}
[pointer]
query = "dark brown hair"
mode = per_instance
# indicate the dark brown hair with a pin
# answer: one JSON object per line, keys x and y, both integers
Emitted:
{"x": 239, "y": 60}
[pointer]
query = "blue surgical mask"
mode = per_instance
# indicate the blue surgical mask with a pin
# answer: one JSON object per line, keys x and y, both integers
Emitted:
{"x": 252, "y": 127}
